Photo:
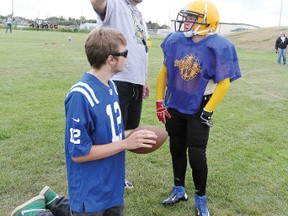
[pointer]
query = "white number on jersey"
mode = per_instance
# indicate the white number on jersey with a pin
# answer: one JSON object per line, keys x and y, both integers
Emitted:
{"x": 74, "y": 135}
{"x": 115, "y": 137}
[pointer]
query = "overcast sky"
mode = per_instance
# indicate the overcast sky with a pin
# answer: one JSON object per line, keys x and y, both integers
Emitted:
{"x": 263, "y": 13}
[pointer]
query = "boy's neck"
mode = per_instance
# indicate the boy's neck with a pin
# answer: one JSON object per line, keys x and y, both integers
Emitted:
{"x": 197, "y": 38}
{"x": 101, "y": 75}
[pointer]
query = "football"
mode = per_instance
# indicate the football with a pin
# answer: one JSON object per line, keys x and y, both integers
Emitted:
{"x": 162, "y": 135}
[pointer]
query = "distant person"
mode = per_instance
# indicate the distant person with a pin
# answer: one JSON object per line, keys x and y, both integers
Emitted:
{"x": 281, "y": 48}
{"x": 94, "y": 136}
{"x": 132, "y": 84}
{"x": 9, "y": 24}
{"x": 197, "y": 70}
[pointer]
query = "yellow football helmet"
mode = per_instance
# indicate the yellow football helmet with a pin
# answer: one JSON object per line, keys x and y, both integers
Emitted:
{"x": 206, "y": 18}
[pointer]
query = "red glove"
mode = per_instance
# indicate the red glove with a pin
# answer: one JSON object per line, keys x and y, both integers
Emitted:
{"x": 161, "y": 111}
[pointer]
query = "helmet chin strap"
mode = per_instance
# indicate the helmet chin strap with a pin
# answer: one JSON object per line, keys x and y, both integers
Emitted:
{"x": 188, "y": 34}
{"x": 191, "y": 33}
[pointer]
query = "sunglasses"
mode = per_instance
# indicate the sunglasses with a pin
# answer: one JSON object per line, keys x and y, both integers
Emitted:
{"x": 124, "y": 53}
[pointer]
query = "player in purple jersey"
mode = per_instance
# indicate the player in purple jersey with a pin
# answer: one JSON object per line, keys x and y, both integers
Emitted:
{"x": 94, "y": 138}
{"x": 195, "y": 76}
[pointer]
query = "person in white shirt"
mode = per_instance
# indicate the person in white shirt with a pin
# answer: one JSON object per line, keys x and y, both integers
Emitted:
{"x": 9, "y": 24}
{"x": 132, "y": 83}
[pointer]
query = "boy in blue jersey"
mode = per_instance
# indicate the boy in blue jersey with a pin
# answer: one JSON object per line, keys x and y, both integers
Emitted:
{"x": 94, "y": 136}
{"x": 196, "y": 74}
{"x": 94, "y": 144}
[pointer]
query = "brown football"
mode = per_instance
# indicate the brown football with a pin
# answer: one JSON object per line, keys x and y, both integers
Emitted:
{"x": 162, "y": 135}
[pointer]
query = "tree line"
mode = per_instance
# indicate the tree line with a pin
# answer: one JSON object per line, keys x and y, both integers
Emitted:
{"x": 70, "y": 21}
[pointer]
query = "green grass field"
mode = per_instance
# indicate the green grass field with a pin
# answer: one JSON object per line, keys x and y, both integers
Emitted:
{"x": 247, "y": 152}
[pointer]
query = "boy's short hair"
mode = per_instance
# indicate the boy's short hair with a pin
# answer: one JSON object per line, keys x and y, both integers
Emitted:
{"x": 101, "y": 43}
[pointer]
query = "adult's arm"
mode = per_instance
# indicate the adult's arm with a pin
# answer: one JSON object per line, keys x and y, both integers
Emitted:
{"x": 99, "y": 6}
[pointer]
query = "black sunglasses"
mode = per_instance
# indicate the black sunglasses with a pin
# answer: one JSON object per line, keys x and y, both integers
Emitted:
{"x": 124, "y": 53}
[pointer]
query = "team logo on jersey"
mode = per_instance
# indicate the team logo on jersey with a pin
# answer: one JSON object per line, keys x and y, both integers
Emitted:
{"x": 189, "y": 67}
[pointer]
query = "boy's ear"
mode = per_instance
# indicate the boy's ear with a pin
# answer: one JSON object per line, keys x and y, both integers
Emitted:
{"x": 111, "y": 60}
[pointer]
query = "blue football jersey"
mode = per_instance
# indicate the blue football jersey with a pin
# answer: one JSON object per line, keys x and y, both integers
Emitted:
{"x": 93, "y": 117}
{"x": 190, "y": 67}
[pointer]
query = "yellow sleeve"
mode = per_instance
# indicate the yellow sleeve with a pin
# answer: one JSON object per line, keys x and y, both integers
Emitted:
{"x": 161, "y": 83}
{"x": 219, "y": 93}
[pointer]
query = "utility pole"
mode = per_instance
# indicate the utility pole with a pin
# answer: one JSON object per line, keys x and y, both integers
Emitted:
{"x": 280, "y": 13}
{"x": 12, "y": 8}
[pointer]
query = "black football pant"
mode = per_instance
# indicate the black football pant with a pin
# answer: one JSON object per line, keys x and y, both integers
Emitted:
{"x": 188, "y": 134}
{"x": 131, "y": 98}
{"x": 62, "y": 208}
